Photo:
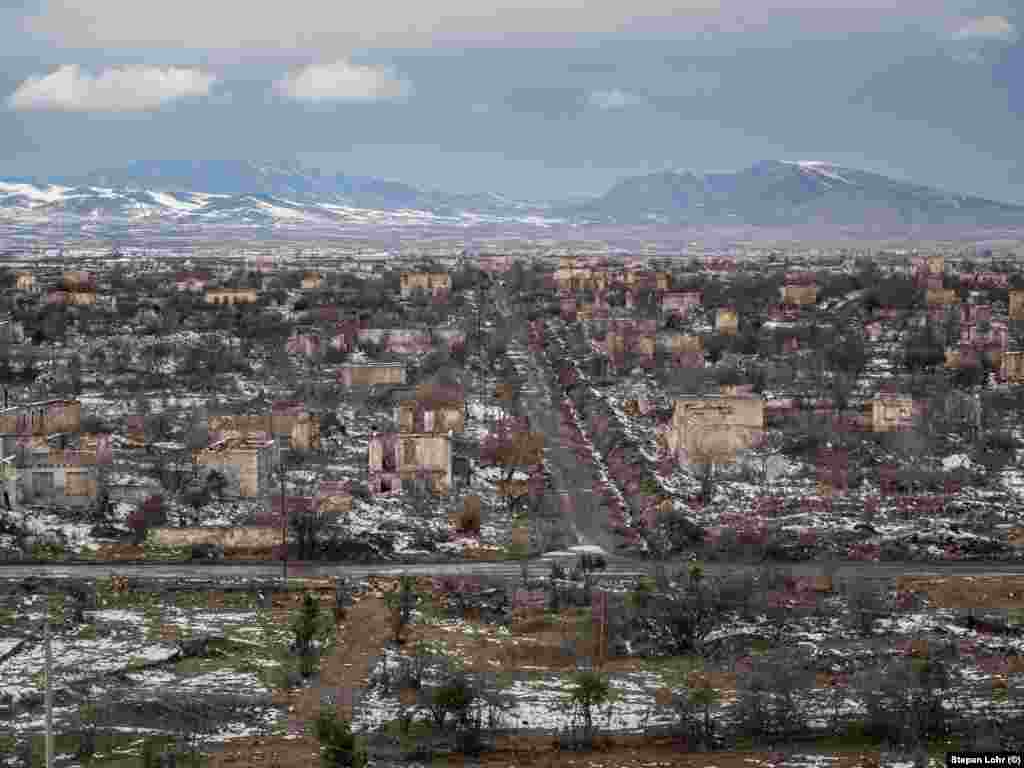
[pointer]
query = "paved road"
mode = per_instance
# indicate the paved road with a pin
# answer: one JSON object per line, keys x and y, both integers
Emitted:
{"x": 622, "y": 567}
{"x": 541, "y": 406}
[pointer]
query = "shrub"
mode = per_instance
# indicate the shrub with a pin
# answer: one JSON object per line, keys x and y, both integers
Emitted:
{"x": 454, "y": 696}
{"x": 767, "y": 705}
{"x": 402, "y": 602}
{"x": 310, "y": 626}
{"x": 147, "y": 515}
{"x": 340, "y": 748}
{"x": 468, "y": 520}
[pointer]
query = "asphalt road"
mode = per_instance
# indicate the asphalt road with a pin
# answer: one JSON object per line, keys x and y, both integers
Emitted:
{"x": 617, "y": 566}
{"x": 541, "y": 406}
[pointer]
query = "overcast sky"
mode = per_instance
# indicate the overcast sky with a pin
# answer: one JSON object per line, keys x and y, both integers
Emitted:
{"x": 535, "y": 99}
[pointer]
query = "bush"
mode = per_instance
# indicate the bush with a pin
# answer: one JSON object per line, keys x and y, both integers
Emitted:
{"x": 767, "y": 706}
{"x": 311, "y": 626}
{"x": 340, "y": 748}
{"x": 147, "y": 515}
{"x": 468, "y": 518}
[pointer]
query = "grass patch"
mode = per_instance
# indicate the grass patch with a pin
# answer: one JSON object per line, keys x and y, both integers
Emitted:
{"x": 113, "y": 750}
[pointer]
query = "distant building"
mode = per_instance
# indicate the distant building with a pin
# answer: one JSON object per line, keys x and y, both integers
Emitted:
{"x": 941, "y": 296}
{"x": 1013, "y": 367}
{"x": 1017, "y": 305}
{"x": 191, "y": 281}
{"x": 371, "y": 374}
{"x": 431, "y": 416}
{"x": 801, "y": 295}
{"x": 232, "y": 296}
{"x": 890, "y": 413}
{"x": 434, "y": 283}
{"x": 727, "y": 322}
{"x": 25, "y": 281}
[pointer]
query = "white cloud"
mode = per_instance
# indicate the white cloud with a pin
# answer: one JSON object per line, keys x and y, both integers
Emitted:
{"x": 987, "y": 28}
{"x": 342, "y": 81}
{"x": 614, "y": 99}
{"x": 125, "y": 89}
{"x": 316, "y": 26}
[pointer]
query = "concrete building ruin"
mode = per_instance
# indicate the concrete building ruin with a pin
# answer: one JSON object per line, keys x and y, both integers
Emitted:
{"x": 890, "y": 413}
{"x": 232, "y": 296}
{"x": 434, "y": 283}
{"x": 714, "y": 428}
{"x": 247, "y": 464}
{"x": 404, "y": 458}
{"x": 372, "y": 374}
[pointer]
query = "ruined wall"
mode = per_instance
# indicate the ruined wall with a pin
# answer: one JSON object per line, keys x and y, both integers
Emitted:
{"x": 799, "y": 294}
{"x": 372, "y": 375}
{"x": 241, "y": 467}
{"x": 1013, "y": 366}
{"x": 891, "y": 413}
{"x": 235, "y": 537}
{"x": 232, "y": 296}
{"x": 45, "y": 419}
{"x": 431, "y": 282}
{"x": 717, "y": 426}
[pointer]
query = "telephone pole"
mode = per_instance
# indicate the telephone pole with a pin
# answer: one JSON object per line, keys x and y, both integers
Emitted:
{"x": 49, "y": 689}
{"x": 284, "y": 527}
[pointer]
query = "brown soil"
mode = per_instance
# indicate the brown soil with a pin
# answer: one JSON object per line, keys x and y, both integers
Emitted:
{"x": 360, "y": 640}
{"x": 967, "y": 591}
{"x": 367, "y": 630}
{"x": 636, "y": 752}
{"x": 119, "y": 551}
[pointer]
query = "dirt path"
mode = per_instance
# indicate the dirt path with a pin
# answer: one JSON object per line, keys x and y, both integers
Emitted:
{"x": 360, "y": 640}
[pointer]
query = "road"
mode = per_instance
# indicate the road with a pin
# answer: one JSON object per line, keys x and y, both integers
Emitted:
{"x": 586, "y": 523}
{"x": 617, "y": 566}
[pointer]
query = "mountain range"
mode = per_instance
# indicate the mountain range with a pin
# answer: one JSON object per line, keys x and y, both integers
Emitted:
{"x": 286, "y": 195}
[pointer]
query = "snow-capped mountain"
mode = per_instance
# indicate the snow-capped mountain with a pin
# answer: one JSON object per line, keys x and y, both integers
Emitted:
{"x": 774, "y": 193}
{"x": 244, "y": 194}
{"x": 187, "y": 196}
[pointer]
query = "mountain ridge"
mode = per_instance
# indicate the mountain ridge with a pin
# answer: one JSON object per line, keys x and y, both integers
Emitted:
{"x": 769, "y": 193}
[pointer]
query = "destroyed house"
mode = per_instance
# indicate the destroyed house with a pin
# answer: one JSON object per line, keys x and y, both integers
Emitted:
{"x": 889, "y": 412}
{"x": 231, "y": 296}
{"x": 1013, "y": 367}
{"x": 371, "y": 374}
{"x": 434, "y": 416}
{"x": 191, "y": 281}
{"x": 715, "y": 427}
{"x": 680, "y": 303}
{"x": 397, "y": 458}
{"x": 246, "y": 462}
{"x": 288, "y": 422}
{"x": 432, "y": 282}
{"x": 399, "y": 341}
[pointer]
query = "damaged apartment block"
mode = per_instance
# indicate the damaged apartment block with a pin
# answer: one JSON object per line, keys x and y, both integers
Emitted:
{"x": 46, "y": 458}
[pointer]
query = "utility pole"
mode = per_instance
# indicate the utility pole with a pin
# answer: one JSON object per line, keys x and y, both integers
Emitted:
{"x": 479, "y": 344}
{"x": 49, "y": 689}
{"x": 284, "y": 526}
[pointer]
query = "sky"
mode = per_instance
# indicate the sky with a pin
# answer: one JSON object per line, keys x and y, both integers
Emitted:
{"x": 534, "y": 100}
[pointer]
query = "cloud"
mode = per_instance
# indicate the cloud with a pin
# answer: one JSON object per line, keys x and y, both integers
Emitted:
{"x": 313, "y": 25}
{"x": 614, "y": 99}
{"x": 124, "y": 89}
{"x": 342, "y": 81}
{"x": 987, "y": 28}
